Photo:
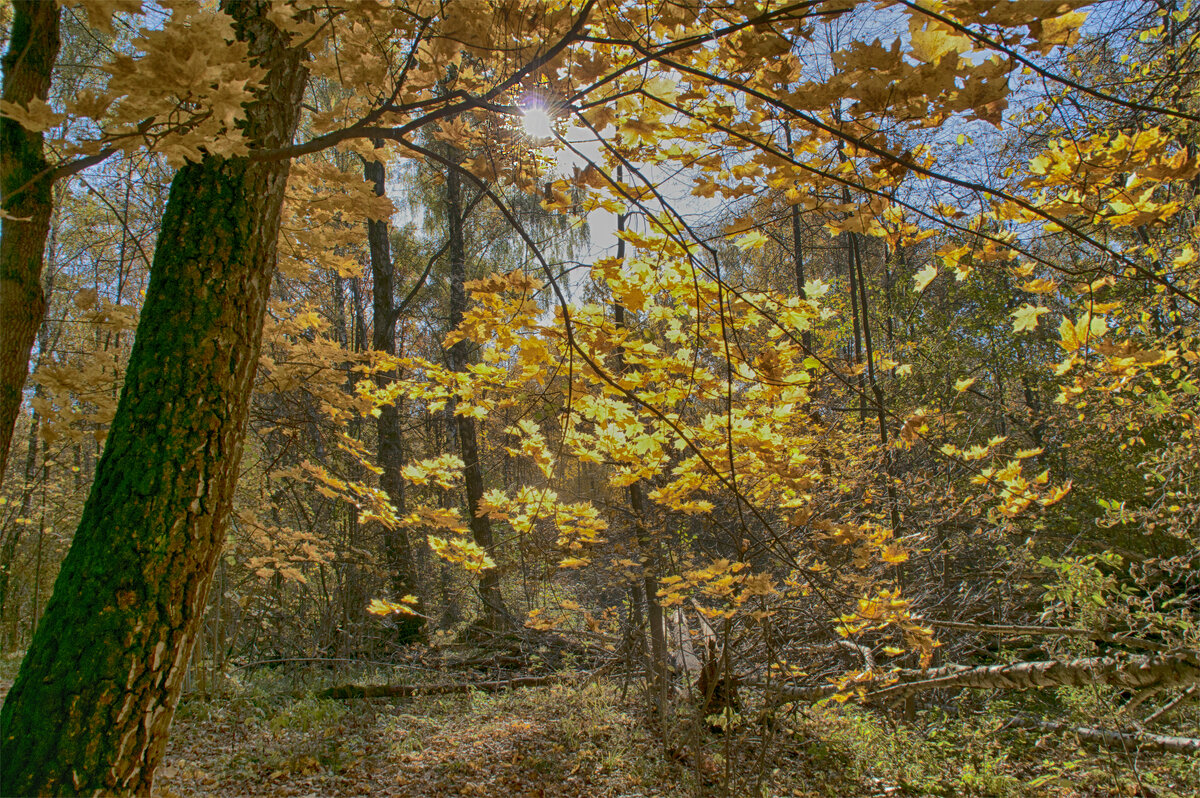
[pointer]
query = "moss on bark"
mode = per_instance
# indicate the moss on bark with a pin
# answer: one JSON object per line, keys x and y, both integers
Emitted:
{"x": 91, "y": 706}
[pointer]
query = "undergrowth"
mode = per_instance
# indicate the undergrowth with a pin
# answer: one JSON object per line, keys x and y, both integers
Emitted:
{"x": 595, "y": 740}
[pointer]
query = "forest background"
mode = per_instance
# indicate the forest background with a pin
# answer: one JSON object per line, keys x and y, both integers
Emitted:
{"x": 754, "y": 354}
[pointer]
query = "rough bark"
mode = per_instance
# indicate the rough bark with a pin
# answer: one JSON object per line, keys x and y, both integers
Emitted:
{"x": 25, "y": 196}
{"x": 495, "y": 617}
{"x": 391, "y": 443}
{"x": 92, "y": 703}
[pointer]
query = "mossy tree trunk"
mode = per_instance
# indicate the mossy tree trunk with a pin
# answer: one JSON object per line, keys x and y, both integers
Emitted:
{"x": 92, "y": 703}
{"x": 25, "y": 196}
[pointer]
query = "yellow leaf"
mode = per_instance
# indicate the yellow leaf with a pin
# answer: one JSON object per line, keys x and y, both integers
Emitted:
{"x": 383, "y": 607}
{"x": 1026, "y": 317}
{"x": 1075, "y": 335}
{"x": 815, "y": 289}
{"x": 962, "y": 385}
{"x": 932, "y": 40}
{"x": 925, "y": 277}
{"x": 1040, "y": 286}
{"x": 1186, "y": 256}
{"x": 1058, "y": 30}
{"x": 1056, "y": 494}
{"x": 752, "y": 240}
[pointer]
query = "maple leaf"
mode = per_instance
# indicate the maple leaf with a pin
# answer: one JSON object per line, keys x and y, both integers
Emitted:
{"x": 36, "y": 116}
{"x": 1055, "y": 31}
{"x": 931, "y": 39}
{"x": 1026, "y": 317}
{"x": 815, "y": 289}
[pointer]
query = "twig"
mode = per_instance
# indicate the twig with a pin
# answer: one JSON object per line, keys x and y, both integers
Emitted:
{"x": 1165, "y": 708}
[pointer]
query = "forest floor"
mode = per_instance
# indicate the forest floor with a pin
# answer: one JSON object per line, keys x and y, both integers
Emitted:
{"x": 269, "y": 736}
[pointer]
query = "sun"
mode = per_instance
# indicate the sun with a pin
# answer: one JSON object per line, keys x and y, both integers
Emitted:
{"x": 538, "y": 122}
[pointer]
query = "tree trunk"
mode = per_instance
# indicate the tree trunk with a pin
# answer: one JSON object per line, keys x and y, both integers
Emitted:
{"x": 391, "y": 444}
{"x": 495, "y": 617}
{"x": 657, "y": 677}
{"x": 876, "y": 391}
{"x": 32, "y": 51}
{"x": 11, "y": 537}
{"x": 93, "y": 701}
{"x": 798, "y": 250}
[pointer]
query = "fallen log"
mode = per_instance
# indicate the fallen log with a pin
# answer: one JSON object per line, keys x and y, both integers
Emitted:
{"x": 1047, "y": 631}
{"x": 350, "y": 691}
{"x": 1139, "y": 740}
{"x": 1133, "y": 672}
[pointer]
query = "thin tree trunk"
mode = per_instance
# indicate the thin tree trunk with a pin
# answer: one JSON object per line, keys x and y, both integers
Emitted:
{"x": 26, "y": 199}
{"x": 798, "y": 249}
{"x": 391, "y": 444}
{"x": 92, "y": 703}
{"x": 876, "y": 391}
{"x": 851, "y": 267}
{"x": 495, "y": 617}
{"x": 656, "y": 675}
{"x": 12, "y": 536}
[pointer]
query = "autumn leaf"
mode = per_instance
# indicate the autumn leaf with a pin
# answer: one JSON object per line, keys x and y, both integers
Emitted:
{"x": 36, "y": 116}
{"x": 925, "y": 277}
{"x": 752, "y": 240}
{"x": 1040, "y": 286}
{"x": 384, "y": 607}
{"x": 1025, "y": 318}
